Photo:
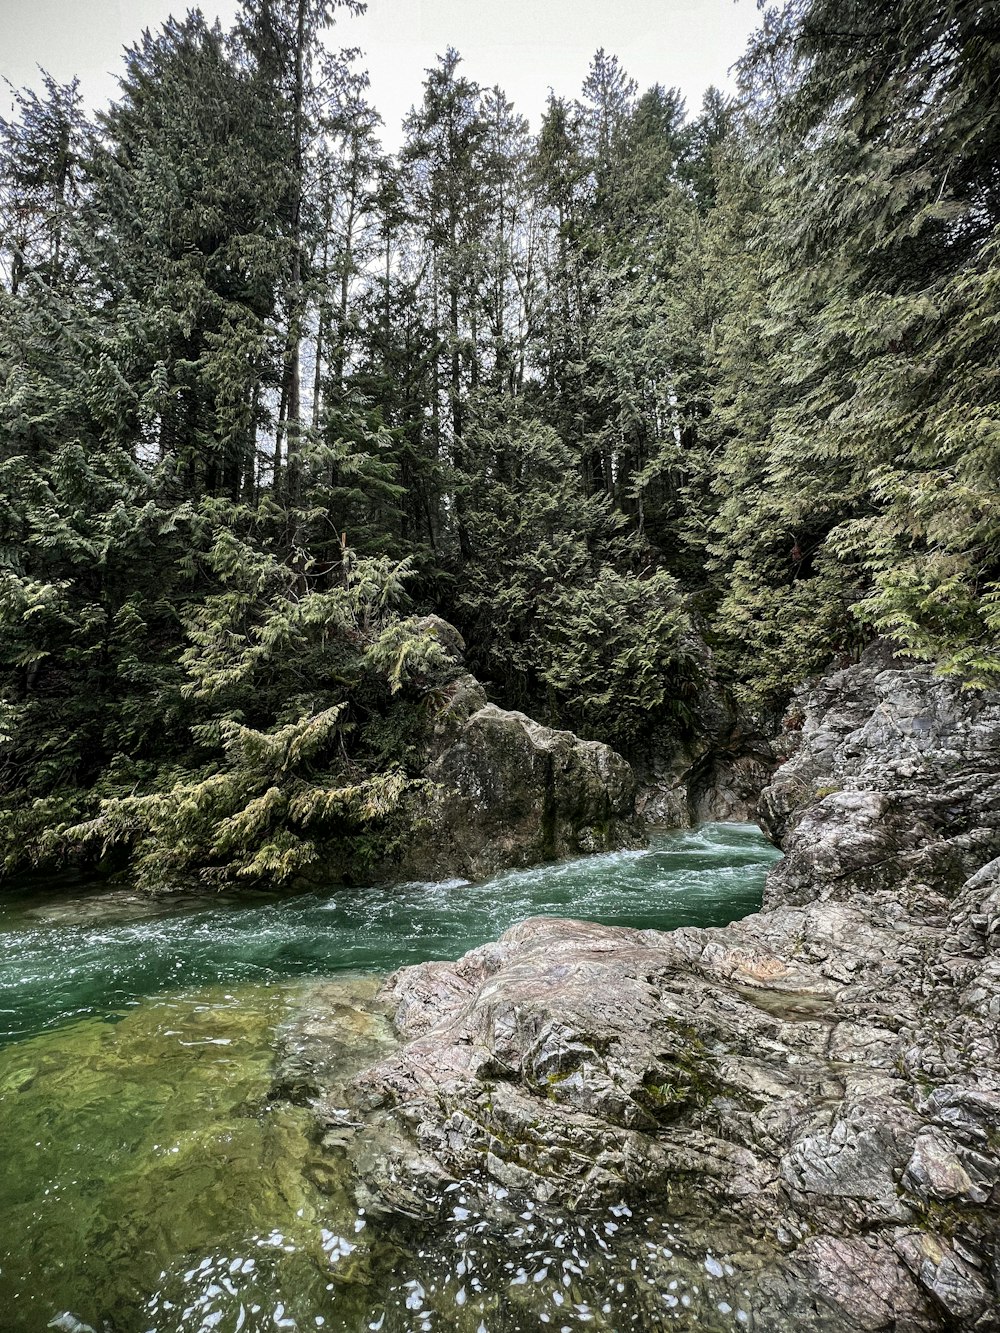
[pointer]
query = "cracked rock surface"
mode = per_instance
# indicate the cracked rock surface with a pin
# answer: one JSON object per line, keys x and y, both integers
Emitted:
{"x": 821, "y": 1079}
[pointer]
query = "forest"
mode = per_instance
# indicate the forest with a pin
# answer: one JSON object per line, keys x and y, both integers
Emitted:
{"x": 653, "y": 392}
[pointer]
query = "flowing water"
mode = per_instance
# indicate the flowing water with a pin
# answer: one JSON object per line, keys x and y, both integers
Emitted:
{"x": 152, "y": 1182}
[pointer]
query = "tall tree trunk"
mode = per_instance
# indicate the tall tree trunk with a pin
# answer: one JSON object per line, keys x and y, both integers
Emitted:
{"x": 293, "y": 349}
{"x": 457, "y": 406}
{"x": 279, "y": 435}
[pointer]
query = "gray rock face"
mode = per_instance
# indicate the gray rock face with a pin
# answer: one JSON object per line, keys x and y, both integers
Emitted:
{"x": 707, "y": 784}
{"x": 511, "y": 792}
{"x": 891, "y": 796}
{"x": 823, "y": 1076}
{"x": 714, "y": 770}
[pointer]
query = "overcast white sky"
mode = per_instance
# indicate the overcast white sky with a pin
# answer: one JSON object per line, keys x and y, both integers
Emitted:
{"x": 527, "y": 46}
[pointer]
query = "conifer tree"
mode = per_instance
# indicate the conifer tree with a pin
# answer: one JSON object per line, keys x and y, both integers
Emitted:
{"x": 857, "y": 490}
{"x": 442, "y": 156}
{"x": 41, "y": 183}
{"x": 184, "y": 198}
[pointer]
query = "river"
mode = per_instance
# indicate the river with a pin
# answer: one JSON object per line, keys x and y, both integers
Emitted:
{"x": 152, "y": 1180}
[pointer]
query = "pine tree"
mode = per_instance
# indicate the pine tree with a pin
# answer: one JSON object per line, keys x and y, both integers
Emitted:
{"x": 862, "y": 457}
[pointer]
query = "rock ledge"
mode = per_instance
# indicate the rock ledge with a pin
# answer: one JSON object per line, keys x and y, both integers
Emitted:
{"x": 824, "y": 1076}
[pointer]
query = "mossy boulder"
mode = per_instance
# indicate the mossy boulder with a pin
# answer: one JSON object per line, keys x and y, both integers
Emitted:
{"x": 506, "y": 791}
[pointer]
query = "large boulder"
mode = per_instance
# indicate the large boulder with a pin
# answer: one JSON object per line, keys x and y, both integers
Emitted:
{"x": 821, "y": 1080}
{"x": 505, "y": 791}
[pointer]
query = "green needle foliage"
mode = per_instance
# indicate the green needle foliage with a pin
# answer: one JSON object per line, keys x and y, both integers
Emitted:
{"x": 862, "y": 392}
{"x": 640, "y": 397}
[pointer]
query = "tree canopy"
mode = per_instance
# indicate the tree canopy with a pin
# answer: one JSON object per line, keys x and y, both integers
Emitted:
{"x": 601, "y": 394}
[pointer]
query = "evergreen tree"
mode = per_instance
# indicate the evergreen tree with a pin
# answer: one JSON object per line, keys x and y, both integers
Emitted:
{"x": 185, "y": 196}
{"x": 267, "y": 393}
{"x": 442, "y": 156}
{"x": 860, "y": 472}
{"x": 41, "y": 183}
{"x": 557, "y": 619}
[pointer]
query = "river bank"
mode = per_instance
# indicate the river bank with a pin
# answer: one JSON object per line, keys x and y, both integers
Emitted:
{"x": 821, "y": 1079}
{"x": 160, "y": 1165}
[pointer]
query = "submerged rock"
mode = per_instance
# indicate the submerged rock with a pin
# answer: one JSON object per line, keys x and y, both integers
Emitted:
{"x": 823, "y": 1076}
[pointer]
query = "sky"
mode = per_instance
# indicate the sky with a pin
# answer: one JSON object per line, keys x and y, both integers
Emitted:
{"x": 527, "y": 46}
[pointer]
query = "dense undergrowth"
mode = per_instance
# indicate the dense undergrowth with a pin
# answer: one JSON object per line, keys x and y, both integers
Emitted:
{"x": 597, "y": 396}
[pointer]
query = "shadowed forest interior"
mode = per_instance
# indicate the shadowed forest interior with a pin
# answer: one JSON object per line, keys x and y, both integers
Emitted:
{"x": 657, "y": 393}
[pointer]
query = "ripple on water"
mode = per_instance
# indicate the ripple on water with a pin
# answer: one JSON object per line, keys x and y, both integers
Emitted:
{"x": 59, "y": 966}
{"x": 151, "y": 1183}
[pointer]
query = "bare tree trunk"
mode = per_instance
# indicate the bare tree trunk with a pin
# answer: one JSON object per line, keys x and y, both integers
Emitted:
{"x": 293, "y": 384}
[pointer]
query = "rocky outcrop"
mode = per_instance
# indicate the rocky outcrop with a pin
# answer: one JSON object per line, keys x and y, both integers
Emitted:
{"x": 713, "y": 779}
{"x": 890, "y": 798}
{"x": 505, "y": 791}
{"x": 714, "y": 768}
{"x": 822, "y": 1078}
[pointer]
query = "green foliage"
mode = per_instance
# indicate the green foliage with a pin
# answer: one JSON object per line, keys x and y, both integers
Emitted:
{"x": 40, "y": 172}
{"x": 554, "y": 615}
{"x": 269, "y": 399}
{"x": 855, "y": 367}
{"x": 617, "y": 656}
{"x": 185, "y": 194}
{"x": 272, "y": 810}
{"x": 198, "y": 671}
{"x": 283, "y": 679}
{"x": 259, "y": 727}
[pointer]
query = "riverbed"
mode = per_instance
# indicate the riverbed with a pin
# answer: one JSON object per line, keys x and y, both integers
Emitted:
{"x": 153, "y": 1178}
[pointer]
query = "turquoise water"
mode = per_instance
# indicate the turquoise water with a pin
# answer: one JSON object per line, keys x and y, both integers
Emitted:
{"x": 151, "y": 1182}
{"x": 67, "y": 957}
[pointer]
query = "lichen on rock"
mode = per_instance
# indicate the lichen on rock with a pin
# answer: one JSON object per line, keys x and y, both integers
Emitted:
{"x": 824, "y": 1075}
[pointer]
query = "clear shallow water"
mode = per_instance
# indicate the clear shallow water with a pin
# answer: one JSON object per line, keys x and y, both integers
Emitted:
{"x": 149, "y": 1180}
